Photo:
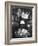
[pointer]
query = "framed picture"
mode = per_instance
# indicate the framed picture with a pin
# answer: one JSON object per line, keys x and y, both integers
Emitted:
{"x": 20, "y": 22}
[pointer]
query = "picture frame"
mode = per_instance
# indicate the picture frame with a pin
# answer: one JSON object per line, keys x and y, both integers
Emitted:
{"x": 11, "y": 8}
